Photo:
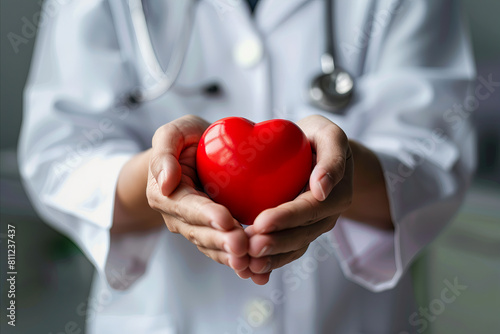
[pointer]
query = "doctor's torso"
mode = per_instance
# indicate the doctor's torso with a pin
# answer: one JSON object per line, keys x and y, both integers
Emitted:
{"x": 261, "y": 66}
{"x": 256, "y": 66}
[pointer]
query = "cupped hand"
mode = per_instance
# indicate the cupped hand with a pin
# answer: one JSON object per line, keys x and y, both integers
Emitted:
{"x": 172, "y": 190}
{"x": 281, "y": 235}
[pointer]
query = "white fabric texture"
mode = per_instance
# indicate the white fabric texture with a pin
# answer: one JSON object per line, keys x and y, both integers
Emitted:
{"x": 412, "y": 68}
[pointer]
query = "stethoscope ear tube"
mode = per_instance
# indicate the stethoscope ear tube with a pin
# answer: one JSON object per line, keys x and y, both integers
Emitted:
{"x": 164, "y": 79}
{"x": 331, "y": 90}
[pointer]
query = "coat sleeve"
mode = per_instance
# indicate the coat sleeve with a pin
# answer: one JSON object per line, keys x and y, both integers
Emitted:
{"x": 74, "y": 138}
{"x": 412, "y": 109}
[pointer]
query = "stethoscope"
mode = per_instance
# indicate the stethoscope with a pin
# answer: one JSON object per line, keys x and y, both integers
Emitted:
{"x": 331, "y": 90}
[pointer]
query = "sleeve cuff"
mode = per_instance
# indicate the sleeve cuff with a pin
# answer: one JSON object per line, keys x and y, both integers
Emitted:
{"x": 87, "y": 217}
{"x": 367, "y": 255}
{"x": 420, "y": 207}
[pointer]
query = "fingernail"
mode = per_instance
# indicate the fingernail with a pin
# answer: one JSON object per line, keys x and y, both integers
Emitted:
{"x": 240, "y": 276}
{"x": 161, "y": 180}
{"x": 265, "y": 251}
{"x": 325, "y": 185}
{"x": 216, "y": 226}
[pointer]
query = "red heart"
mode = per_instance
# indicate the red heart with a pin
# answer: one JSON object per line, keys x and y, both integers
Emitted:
{"x": 250, "y": 167}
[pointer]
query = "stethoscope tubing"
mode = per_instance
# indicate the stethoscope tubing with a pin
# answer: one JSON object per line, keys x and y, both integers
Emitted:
{"x": 322, "y": 92}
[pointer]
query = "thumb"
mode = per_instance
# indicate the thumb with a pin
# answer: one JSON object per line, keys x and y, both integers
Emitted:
{"x": 166, "y": 170}
{"x": 168, "y": 143}
{"x": 332, "y": 150}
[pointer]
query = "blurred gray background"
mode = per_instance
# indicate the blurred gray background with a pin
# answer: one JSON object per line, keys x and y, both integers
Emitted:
{"x": 54, "y": 277}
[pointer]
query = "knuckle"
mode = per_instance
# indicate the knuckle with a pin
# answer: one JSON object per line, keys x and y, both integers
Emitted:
{"x": 152, "y": 199}
{"x": 192, "y": 237}
{"x": 337, "y": 169}
{"x": 333, "y": 133}
{"x": 340, "y": 162}
{"x": 165, "y": 131}
{"x": 342, "y": 136}
{"x": 174, "y": 128}
{"x": 153, "y": 204}
{"x": 150, "y": 192}
{"x": 328, "y": 129}
{"x": 155, "y": 164}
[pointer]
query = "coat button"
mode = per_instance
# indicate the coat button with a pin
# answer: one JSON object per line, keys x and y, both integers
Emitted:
{"x": 248, "y": 52}
{"x": 259, "y": 312}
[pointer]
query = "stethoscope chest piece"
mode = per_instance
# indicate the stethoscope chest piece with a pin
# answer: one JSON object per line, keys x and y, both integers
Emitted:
{"x": 332, "y": 91}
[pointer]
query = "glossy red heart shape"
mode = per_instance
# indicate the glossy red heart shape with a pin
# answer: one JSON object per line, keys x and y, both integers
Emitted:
{"x": 250, "y": 167}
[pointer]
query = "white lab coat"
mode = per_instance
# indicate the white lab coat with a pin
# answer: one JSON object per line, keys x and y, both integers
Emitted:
{"x": 412, "y": 68}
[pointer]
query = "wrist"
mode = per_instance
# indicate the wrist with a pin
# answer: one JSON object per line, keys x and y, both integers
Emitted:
{"x": 370, "y": 203}
{"x": 132, "y": 211}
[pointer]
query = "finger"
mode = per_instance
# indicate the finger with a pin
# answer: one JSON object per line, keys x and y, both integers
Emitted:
{"x": 190, "y": 206}
{"x": 168, "y": 143}
{"x": 289, "y": 240}
{"x": 332, "y": 150}
{"x": 233, "y": 242}
{"x": 187, "y": 162}
{"x": 245, "y": 273}
{"x": 266, "y": 264}
{"x": 302, "y": 211}
{"x": 305, "y": 209}
{"x": 238, "y": 264}
{"x": 261, "y": 279}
